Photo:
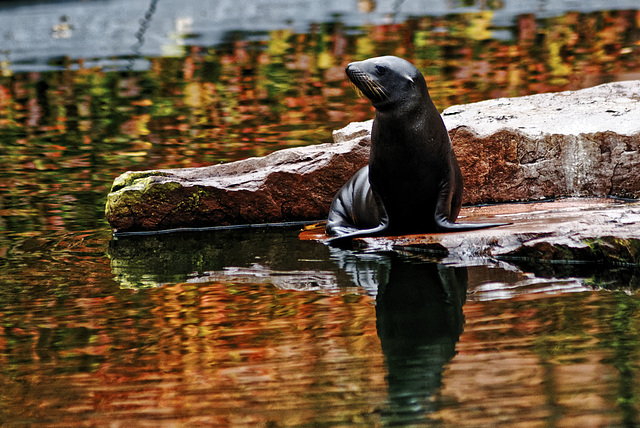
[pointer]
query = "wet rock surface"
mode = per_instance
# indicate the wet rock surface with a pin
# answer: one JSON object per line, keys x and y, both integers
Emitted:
{"x": 582, "y": 143}
{"x": 592, "y": 230}
{"x": 539, "y": 242}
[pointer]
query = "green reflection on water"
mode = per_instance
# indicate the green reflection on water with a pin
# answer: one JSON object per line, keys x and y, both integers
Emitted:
{"x": 625, "y": 346}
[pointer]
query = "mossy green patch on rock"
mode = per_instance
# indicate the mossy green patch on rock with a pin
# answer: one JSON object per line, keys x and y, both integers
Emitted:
{"x": 551, "y": 252}
{"x": 130, "y": 178}
{"x": 144, "y": 187}
{"x": 141, "y": 204}
{"x": 192, "y": 201}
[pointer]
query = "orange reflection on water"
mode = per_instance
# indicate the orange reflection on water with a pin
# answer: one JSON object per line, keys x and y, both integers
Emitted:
{"x": 212, "y": 353}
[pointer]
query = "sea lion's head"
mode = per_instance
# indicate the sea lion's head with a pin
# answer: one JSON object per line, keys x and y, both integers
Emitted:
{"x": 387, "y": 81}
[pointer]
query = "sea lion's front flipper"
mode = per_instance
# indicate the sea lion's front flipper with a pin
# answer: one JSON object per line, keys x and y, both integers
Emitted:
{"x": 445, "y": 220}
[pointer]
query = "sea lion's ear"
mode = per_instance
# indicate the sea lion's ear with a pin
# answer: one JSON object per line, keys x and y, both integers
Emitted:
{"x": 410, "y": 80}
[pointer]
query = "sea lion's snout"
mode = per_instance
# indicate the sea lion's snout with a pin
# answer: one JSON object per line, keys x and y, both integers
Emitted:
{"x": 351, "y": 70}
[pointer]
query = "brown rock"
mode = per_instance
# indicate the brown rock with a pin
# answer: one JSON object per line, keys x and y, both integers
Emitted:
{"x": 575, "y": 143}
{"x": 582, "y": 143}
{"x": 288, "y": 185}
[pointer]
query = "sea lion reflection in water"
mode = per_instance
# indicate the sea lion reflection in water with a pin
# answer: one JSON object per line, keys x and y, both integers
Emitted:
{"x": 413, "y": 183}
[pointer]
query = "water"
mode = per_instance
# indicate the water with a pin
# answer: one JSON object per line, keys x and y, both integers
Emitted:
{"x": 258, "y": 328}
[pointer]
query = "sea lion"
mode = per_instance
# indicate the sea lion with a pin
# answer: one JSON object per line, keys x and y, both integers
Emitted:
{"x": 413, "y": 183}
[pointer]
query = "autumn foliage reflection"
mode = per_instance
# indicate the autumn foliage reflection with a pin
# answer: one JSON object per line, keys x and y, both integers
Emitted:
{"x": 82, "y": 127}
{"x": 220, "y": 354}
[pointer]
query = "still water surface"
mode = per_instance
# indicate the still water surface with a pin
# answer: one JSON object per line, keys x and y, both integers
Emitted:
{"x": 258, "y": 328}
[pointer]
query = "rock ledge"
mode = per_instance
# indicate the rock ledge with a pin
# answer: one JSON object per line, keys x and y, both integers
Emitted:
{"x": 593, "y": 230}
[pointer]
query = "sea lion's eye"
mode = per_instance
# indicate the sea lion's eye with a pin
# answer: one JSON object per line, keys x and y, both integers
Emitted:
{"x": 381, "y": 69}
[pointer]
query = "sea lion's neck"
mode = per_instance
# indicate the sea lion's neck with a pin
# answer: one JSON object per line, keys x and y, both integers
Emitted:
{"x": 393, "y": 138}
{"x": 403, "y": 124}
{"x": 411, "y": 133}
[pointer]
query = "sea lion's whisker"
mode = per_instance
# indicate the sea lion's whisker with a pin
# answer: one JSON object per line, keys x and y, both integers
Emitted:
{"x": 374, "y": 87}
{"x": 370, "y": 85}
{"x": 366, "y": 83}
{"x": 380, "y": 91}
{"x": 358, "y": 91}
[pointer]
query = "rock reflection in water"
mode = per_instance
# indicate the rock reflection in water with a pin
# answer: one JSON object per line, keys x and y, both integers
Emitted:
{"x": 272, "y": 256}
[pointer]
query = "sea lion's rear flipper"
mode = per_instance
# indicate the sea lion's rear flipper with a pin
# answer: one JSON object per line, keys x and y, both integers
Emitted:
{"x": 356, "y": 211}
{"x": 344, "y": 232}
{"x": 351, "y": 233}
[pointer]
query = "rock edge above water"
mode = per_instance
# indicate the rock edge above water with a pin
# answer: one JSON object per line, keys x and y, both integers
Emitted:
{"x": 594, "y": 230}
{"x": 579, "y": 143}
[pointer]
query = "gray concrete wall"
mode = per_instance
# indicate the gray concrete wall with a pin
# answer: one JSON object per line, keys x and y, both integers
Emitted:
{"x": 31, "y": 33}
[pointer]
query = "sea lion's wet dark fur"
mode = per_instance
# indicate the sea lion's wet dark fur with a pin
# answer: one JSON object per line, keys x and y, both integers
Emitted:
{"x": 413, "y": 183}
